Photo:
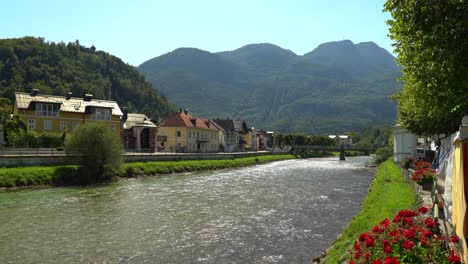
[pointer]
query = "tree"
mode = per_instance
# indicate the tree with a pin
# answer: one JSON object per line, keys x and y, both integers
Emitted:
{"x": 432, "y": 47}
{"x": 97, "y": 150}
{"x": 14, "y": 127}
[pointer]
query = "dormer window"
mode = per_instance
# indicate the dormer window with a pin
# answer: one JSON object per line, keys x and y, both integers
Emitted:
{"x": 43, "y": 109}
{"x": 100, "y": 113}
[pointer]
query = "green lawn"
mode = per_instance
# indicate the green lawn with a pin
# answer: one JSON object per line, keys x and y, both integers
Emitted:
{"x": 165, "y": 167}
{"x": 387, "y": 196}
{"x": 64, "y": 175}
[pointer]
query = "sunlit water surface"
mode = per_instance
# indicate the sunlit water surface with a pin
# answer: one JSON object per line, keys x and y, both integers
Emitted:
{"x": 283, "y": 212}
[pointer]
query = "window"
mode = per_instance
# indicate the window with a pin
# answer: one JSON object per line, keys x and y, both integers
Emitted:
{"x": 75, "y": 125}
{"x": 47, "y": 124}
{"x": 112, "y": 127}
{"x": 43, "y": 109}
{"x": 63, "y": 125}
{"x": 189, "y": 134}
{"x": 31, "y": 124}
{"x": 179, "y": 134}
{"x": 100, "y": 113}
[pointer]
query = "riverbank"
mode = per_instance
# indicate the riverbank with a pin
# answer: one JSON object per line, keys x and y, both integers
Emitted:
{"x": 66, "y": 175}
{"x": 388, "y": 194}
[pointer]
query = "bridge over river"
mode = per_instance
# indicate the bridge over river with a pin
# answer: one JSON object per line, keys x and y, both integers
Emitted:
{"x": 296, "y": 149}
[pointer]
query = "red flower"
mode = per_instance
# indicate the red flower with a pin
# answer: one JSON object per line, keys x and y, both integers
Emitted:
{"x": 454, "y": 258}
{"x": 423, "y": 241}
{"x": 430, "y": 223}
{"x": 410, "y": 233}
{"x": 408, "y": 244}
{"x": 454, "y": 239}
{"x": 387, "y": 249}
{"x": 370, "y": 242}
{"x": 423, "y": 210}
{"x": 357, "y": 246}
{"x": 377, "y": 229}
{"x": 367, "y": 256}
{"x": 391, "y": 260}
{"x": 376, "y": 261}
{"x": 385, "y": 223}
{"x": 363, "y": 237}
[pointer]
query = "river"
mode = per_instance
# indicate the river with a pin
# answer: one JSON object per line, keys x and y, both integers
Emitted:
{"x": 282, "y": 212}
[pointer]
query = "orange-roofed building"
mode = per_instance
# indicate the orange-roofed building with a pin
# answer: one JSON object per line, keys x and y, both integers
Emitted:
{"x": 186, "y": 133}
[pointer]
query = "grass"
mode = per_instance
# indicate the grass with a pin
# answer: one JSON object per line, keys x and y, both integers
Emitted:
{"x": 166, "y": 167}
{"x": 387, "y": 196}
{"x": 67, "y": 175}
{"x": 32, "y": 176}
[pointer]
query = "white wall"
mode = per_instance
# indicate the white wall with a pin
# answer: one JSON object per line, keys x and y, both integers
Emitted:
{"x": 404, "y": 144}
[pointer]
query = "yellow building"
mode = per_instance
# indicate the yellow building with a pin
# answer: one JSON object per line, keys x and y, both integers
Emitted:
{"x": 185, "y": 133}
{"x": 57, "y": 114}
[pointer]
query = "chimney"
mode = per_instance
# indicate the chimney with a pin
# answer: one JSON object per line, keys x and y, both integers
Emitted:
{"x": 34, "y": 92}
{"x": 88, "y": 97}
{"x": 125, "y": 113}
{"x": 69, "y": 95}
{"x": 186, "y": 111}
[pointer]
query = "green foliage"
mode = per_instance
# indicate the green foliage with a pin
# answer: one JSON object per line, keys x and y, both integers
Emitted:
{"x": 71, "y": 175}
{"x": 50, "y": 140}
{"x": 382, "y": 154}
{"x": 166, "y": 167}
{"x": 97, "y": 150}
{"x": 274, "y": 88}
{"x": 32, "y": 176}
{"x": 375, "y": 137}
{"x": 388, "y": 194}
{"x": 314, "y": 154}
{"x": 432, "y": 47}
{"x": 58, "y": 68}
{"x": 282, "y": 140}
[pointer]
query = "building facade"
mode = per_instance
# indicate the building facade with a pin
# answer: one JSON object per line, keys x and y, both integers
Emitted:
{"x": 139, "y": 132}
{"x": 58, "y": 114}
{"x": 186, "y": 133}
{"x": 235, "y": 132}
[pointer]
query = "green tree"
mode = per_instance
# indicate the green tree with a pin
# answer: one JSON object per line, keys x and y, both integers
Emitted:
{"x": 432, "y": 47}
{"x": 97, "y": 150}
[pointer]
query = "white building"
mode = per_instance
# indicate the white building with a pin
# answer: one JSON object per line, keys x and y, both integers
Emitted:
{"x": 404, "y": 144}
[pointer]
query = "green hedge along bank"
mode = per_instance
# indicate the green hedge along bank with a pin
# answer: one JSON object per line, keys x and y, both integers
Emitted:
{"x": 70, "y": 175}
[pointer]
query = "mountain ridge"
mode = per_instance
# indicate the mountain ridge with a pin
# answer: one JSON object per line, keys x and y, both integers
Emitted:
{"x": 274, "y": 88}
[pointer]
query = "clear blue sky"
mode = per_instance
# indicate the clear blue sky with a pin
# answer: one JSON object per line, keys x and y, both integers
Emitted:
{"x": 139, "y": 30}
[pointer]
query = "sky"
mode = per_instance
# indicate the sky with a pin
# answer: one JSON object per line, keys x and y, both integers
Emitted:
{"x": 138, "y": 30}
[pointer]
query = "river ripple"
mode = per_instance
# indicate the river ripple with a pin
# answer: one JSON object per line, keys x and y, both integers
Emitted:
{"x": 283, "y": 212}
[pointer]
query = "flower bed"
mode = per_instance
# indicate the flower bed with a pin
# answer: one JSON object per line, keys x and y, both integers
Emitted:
{"x": 424, "y": 175}
{"x": 411, "y": 237}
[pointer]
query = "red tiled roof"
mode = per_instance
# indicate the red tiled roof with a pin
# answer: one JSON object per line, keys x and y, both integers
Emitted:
{"x": 187, "y": 120}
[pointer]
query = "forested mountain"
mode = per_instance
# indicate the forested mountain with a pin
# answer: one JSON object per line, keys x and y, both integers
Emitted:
{"x": 58, "y": 68}
{"x": 339, "y": 86}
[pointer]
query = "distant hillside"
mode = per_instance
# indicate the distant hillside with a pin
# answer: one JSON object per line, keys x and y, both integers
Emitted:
{"x": 337, "y": 87}
{"x": 58, "y": 68}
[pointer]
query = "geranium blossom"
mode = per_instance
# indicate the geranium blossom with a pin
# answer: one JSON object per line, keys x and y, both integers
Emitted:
{"x": 409, "y": 238}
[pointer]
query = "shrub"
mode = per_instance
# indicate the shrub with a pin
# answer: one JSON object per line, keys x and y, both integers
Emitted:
{"x": 382, "y": 154}
{"x": 97, "y": 150}
{"x": 50, "y": 140}
{"x": 411, "y": 237}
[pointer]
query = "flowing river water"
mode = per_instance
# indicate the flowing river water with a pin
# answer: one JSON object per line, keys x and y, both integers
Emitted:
{"x": 282, "y": 212}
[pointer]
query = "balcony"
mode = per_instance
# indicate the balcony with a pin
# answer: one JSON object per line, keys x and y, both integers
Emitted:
{"x": 162, "y": 138}
{"x": 202, "y": 139}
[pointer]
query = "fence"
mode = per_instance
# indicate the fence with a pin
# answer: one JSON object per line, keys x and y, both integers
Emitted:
{"x": 10, "y": 157}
